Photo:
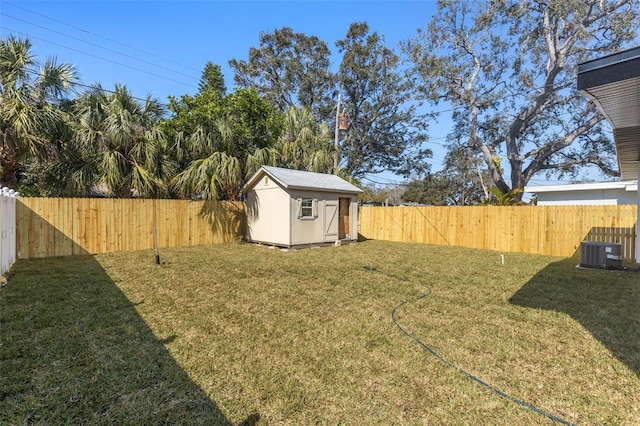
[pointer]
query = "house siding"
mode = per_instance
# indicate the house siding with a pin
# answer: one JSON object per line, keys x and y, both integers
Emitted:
{"x": 595, "y": 197}
{"x": 603, "y": 193}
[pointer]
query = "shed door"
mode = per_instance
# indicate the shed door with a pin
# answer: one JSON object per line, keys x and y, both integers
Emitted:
{"x": 344, "y": 218}
{"x": 331, "y": 220}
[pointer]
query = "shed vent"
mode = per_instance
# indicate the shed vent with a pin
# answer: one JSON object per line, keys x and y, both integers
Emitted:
{"x": 600, "y": 255}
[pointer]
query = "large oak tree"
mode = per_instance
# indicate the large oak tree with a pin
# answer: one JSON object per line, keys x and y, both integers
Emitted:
{"x": 508, "y": 69}
{"x": 386, "y": 129}
{"x": 289, "y": 69}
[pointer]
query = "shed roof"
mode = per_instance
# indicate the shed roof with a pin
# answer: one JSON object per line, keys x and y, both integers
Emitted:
{"x": 298, "y": 179}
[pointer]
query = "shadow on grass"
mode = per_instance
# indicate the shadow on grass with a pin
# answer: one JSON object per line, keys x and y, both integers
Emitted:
{"x": 606, "y": 303}
{"x": 73, "y": 350}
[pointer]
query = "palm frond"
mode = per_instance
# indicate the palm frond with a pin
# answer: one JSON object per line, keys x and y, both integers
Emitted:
{"x": 260, "y": 157}
{"x": 319, "y": 162}
{"x": 17, "y": 62}
{"x": 209, "y": 177}
{"x": 55, "y": 80}
{"x": 225, "y": 129}
{"x": 144, "y": 183}
{"x": 83, "y": 178}
{"x": 112, "y": 170}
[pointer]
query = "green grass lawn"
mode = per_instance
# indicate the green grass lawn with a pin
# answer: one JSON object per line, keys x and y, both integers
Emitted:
{"x": 243, "y": 334}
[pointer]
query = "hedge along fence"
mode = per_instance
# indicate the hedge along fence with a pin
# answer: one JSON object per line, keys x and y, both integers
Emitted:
{"x": 48, "y": 227}
{"x": 548, "y": 230}
{"x": 66, "y": 226}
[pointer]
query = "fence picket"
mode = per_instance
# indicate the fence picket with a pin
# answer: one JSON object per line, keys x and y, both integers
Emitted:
{"x": 549, "y": 230}
{"x": 57, "y": 227}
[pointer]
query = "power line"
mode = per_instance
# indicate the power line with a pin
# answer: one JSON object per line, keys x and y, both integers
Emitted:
{"x": 97, "y": 45}
{"x": 88, "y": 86}
{"x": 100, "y": 36}
{"x": 389, "y": 182}
{"x": 100, "y": 57}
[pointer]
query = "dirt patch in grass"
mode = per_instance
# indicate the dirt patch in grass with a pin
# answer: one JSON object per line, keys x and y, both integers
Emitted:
{"x": 240, "y": 333}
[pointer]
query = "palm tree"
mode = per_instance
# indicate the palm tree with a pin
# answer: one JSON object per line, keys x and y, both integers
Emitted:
{"x": 304, "y": 144}
{"x": 30, "y": 116}
{"x": 120, "y": 145}
{"x": 221, "y": 172}
{"x": 237, "y": 140}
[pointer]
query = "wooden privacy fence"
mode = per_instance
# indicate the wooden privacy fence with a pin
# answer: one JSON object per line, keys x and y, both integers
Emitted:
{"x": 549, "y": 230}
{"x": 49, "y": 227}
{"x": 65, "y": 226}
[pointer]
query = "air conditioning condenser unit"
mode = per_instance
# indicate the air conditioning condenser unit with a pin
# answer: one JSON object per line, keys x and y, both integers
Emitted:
{"x": 600, "y": 255}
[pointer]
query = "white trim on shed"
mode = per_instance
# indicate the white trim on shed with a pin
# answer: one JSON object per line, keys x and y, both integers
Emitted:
{"x": 294, "y": 208}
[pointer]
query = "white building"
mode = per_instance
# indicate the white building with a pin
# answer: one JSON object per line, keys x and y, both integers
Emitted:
{"x": 613, "y": 83}
{"x": 600, "y": 193}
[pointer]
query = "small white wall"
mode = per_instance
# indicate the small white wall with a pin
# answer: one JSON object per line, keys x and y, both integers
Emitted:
{"x": 268, "y": 216}
{"x": 354, "y": 218}
{"x": 7, "y": 228}
{"x": 588, "y": 197}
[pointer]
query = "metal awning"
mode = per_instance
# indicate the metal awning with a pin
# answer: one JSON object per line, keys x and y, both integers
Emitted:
{"x": 613, "y": 83}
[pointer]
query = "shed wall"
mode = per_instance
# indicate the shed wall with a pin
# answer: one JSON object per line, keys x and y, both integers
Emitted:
{"x": 275, "y": 214}
{"x": 311, "y": 231}
{"x": 268, "y": 216}
{"x": 324, "y": 228}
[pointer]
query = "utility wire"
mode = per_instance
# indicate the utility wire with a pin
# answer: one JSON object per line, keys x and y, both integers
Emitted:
{"x": 454, "y": 108}
{"x": 100, "y": 36}
{"x": 98, "y": 46}
{"x": 88, "y": 86}
{"x": 534, "y": 89}
{"x": 101, "y": 58}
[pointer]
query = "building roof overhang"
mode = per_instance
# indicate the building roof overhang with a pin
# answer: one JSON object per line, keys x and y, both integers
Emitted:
{"x": 613, "y": 83}
{"x": 629, "y": 186}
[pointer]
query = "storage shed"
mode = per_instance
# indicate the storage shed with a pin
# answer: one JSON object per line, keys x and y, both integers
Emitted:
{"x": 289, "y": 208}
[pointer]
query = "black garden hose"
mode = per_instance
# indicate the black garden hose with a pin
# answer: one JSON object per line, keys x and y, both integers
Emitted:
{"x": 453, "y": 366}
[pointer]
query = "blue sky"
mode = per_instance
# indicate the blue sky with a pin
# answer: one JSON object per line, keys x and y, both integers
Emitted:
{"x": 161, "y": 47}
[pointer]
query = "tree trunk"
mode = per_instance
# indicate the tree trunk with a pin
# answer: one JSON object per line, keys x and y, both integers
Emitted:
{"x": 9, "y": 160}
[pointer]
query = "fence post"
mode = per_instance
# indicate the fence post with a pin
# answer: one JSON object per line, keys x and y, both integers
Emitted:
{"x": 12, "y": 226}
{"x": 7, "y": 228}
{"x": 3, "y": 224}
